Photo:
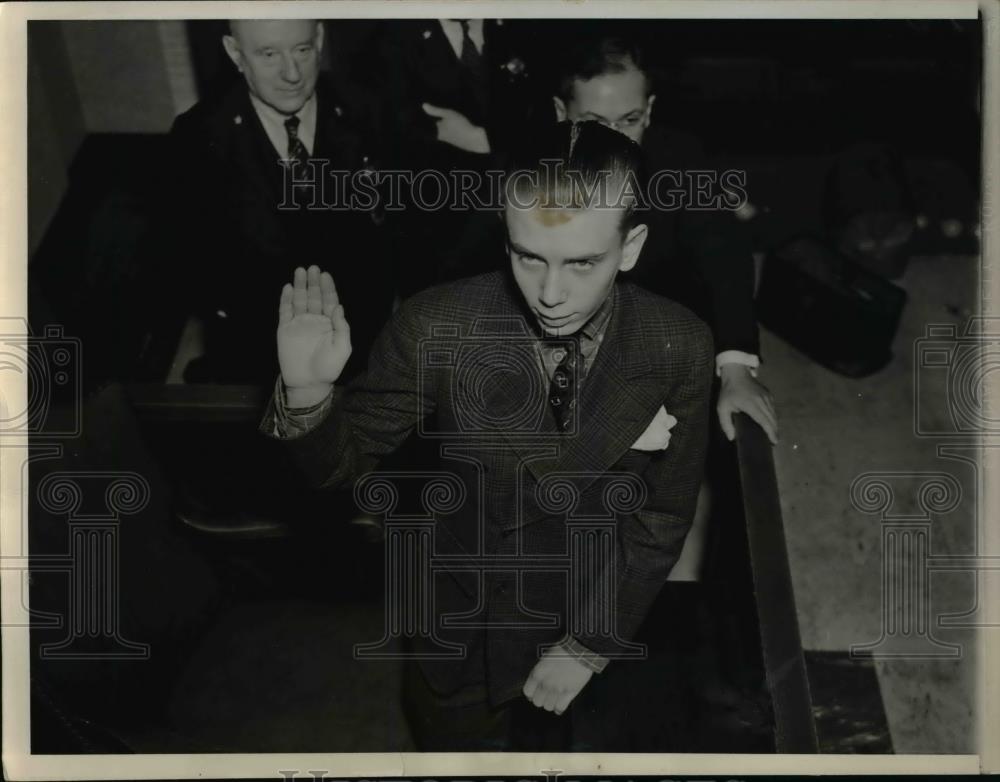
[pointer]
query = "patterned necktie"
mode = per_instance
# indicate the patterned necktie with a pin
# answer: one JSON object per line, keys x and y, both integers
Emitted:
{"x": 470, "y": 57}
{"x": 296, "y": 149}
{"x": 562, "y": 389}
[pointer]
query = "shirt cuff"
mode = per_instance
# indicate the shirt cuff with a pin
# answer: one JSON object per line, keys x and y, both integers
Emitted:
{"x": 291, "y": 422}
{"x": 749, "y": 360}
{"x": 570, "y": 646}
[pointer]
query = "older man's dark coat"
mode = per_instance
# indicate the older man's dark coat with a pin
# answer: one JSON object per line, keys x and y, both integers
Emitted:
{"x": 237, "y": 244}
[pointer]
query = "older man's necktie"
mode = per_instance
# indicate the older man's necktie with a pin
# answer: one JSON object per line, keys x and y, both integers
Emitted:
{"x": 562, "y": 389}
{"x": 296, "y": 149}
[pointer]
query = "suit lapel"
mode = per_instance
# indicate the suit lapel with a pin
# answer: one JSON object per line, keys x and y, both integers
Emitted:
{"x": 254, "y": 148}
{"x": 334, "y": 139}
{"x": 618, "y": 399}
{"x": 516, "y": 381}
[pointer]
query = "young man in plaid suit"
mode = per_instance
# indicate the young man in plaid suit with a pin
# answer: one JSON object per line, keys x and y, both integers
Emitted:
{"x": 559, "y": 396}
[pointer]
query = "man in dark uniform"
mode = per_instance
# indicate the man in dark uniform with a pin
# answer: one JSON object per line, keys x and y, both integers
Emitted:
{"x": 240, "y": 227}
{"x": 454, "y": 92}
{"x": 236, "y": 229}
{"x": 693, "y": 256}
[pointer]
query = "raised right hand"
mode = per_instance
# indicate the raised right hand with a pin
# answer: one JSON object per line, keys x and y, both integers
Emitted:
{"x": 314, "y": 340}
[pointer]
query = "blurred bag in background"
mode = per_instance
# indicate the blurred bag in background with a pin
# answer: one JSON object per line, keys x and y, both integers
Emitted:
{"x": 831, "y": 308}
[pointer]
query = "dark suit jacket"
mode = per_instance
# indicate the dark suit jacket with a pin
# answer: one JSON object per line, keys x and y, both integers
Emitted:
{"x": 417, "y": 65}
{"x": 238, "y": 248}
{"x": 458, "y": 362}
{"x": 699, "y": 258}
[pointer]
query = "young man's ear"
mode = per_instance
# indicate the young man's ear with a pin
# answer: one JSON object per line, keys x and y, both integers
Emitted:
{"x": 649, "y": 109}
{"x": 560, "y": 107}
{"x": 632, "y": 248}
{"x": 233, "y": 50}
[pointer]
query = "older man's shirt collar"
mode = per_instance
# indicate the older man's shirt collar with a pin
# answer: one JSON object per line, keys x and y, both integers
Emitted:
{"x": 274, "y": 124}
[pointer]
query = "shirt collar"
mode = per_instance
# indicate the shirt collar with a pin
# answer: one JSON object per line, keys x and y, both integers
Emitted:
{"x": 452, "y": 29}
{"x": 594, "y": 327}
{"x": 274, "y": 123}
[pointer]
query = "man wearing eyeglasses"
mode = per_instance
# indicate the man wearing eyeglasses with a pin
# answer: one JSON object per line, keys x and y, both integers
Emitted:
{"x": 695, "y": 257}
{"x": 606, "y": 80}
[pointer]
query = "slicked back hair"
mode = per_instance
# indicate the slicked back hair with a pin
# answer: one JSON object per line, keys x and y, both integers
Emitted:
{"x": 576, "y": 165}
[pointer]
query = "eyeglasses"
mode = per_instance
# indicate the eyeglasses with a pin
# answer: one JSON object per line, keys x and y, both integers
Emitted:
{"x": 628, "y": 122}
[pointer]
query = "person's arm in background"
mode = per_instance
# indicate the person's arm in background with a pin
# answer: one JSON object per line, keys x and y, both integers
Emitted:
{"x": 712, "y": 244}
{"x": 406, "y": 132}
{"x": 724, "y": 263}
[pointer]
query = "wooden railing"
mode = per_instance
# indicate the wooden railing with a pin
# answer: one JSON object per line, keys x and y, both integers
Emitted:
{"x": 201, "y": 403}
{"x": 784, "y": 663}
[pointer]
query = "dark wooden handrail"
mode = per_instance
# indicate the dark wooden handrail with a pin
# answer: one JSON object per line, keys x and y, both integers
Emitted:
{"x": 784, "y": 663}
{"x": 196, "y": 403}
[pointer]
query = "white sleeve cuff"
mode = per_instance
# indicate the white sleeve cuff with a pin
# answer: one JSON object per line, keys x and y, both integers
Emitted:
{"x": 749, "y": 360}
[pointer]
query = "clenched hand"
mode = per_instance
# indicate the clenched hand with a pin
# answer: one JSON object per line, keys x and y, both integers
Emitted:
{"x": 555, "y": 681}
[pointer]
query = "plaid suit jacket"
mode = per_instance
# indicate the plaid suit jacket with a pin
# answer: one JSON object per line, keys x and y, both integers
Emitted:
{"x": 537, "y": 534}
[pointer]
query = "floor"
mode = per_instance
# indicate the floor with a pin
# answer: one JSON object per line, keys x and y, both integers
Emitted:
{"x": 835, "y": 429}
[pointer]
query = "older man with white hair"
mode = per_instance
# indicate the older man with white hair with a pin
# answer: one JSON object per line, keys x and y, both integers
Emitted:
{"x": 232, "y": 197}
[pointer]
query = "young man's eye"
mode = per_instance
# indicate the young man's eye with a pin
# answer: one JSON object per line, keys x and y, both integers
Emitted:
{"x": 582, "y": 265}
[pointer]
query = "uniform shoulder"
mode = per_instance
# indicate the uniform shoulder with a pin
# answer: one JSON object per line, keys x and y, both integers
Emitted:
{"x": 211, "y": 115}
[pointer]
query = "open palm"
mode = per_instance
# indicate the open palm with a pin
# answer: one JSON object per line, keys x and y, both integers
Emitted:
{"x": 314, "y": 339}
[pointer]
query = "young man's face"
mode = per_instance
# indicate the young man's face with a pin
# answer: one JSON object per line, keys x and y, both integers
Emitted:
{"x": 617, "y": 100}
{"x": 565, "y": 261}
{"x": 278, "y": 58}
